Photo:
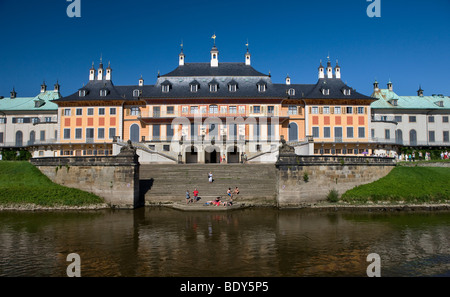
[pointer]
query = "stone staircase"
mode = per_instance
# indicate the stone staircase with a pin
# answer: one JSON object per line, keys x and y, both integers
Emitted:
{"x": 167, "y": 183}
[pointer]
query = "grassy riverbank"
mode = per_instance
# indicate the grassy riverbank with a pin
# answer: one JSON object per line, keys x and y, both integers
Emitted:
{"x": 22, "y": 183}
{"x": 405, "y": 184}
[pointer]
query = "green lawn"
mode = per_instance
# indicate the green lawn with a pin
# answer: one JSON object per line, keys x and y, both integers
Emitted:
{"x": 409, "y": 184}
{"x": 21, "y": 182}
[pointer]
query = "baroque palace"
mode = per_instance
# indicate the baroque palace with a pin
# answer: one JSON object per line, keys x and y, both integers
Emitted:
{"x": 200, "y": 113}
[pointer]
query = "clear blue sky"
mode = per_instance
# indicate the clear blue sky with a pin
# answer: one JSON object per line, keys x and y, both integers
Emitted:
{"x": 409, "y": 43}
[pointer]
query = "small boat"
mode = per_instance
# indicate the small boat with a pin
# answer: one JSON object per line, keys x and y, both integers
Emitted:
{"x": 197, "y": 206}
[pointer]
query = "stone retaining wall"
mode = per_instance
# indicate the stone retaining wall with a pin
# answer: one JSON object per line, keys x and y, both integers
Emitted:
{"x": 114, "y": 178}
{"x": 324, "y": 173}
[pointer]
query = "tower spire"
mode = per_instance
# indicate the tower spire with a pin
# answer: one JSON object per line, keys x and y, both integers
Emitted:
{"x": 181, "y": 55}
{"x": 247, "y": 55}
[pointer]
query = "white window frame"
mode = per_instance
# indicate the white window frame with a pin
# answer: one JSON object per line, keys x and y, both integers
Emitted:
{"x": 134, "y": 111}
{"x": 213, "y": 109}
{"x": 99, "y": 135}
{"x": 81, "y": 133}
{"x": 64, "y": 133}
{"x": 292, "y": 110}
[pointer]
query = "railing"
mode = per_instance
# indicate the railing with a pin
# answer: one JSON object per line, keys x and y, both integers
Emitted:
{"x": 28, "y": 143}
{"x": 188, "y": 114}
{"x": 380, "y": 118}
{"x": 408, "y": 143}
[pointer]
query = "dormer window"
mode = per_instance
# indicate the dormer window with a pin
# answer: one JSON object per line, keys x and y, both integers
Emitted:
{"x": 165, "y": 88}
{"x": 39, "y": 103}
{"x": 261, "y": 86}
{"x": 346, "y": 92}
{"x": 103, "y": 92}
{"x": 439, "y": 103}
{"x": 326, "y": 92}
{"x": 213, "y": 86}
{"x": 291, "y": 92}
{"x": 136, "y": 93}
{"x": 232, "y": 88}
{"x": 82, "y": 93}
{"x": 194, "y": 86}
{"x": 394, "y": 102}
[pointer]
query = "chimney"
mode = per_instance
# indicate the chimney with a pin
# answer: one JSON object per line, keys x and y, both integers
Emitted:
{"x": 288, "y": 80}
{"x": 141, "y": 81}
{"x": 420, "y": 92}
{"x": 13, "y": 94}
{"x": 43, "y": 87}
{"x": 389, "y": 85}
{"x": 321, "y": 73}
{"x": 214, "y": 57}
{"x": 108, "y": 72}
{"x": 92, "y": 72}
{"x": 57, "y": 87}
{"x": 247, "y": 58}
{"x": 329, "y": 70}
{"x": 337, "y": 70}
{"x": 375, "y": 86}
{"x": 100, "y": 71}
{"x": 181, "y": 57}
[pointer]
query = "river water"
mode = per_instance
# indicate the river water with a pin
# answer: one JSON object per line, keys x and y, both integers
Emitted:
{"x": 253, "y": 242}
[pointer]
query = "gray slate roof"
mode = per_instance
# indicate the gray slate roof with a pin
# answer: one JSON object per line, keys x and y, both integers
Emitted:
{"x": 245, "y": 77}
{"x": 205, "y": 69}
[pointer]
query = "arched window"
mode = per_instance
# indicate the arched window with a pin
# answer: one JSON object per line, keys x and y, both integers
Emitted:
{"x": 134, "y": 133}
{"x": 32, "y": 137}
{"x": 412, "y": 137}
{"x": 399, "y": 137}
{"x": 19, "y": 138}
{"x": 293, "y": 132}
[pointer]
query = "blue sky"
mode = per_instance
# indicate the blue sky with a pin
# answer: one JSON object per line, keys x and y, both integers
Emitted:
{"x": 408, "y": 44}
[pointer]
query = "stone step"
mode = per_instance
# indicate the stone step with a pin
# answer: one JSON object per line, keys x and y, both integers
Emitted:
{"x": 170, "y": 182}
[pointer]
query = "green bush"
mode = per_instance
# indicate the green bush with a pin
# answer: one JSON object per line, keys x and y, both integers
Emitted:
{"x": 16, "y": 155}
{"x": 333, "y": 196}
{"x": 305, "y": 177}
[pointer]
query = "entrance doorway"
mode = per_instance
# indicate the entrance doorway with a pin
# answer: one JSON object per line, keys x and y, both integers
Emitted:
{"x": 191, "y": 155}
{"x": 212, "y": 155}
{"x": 233, "y": 155}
